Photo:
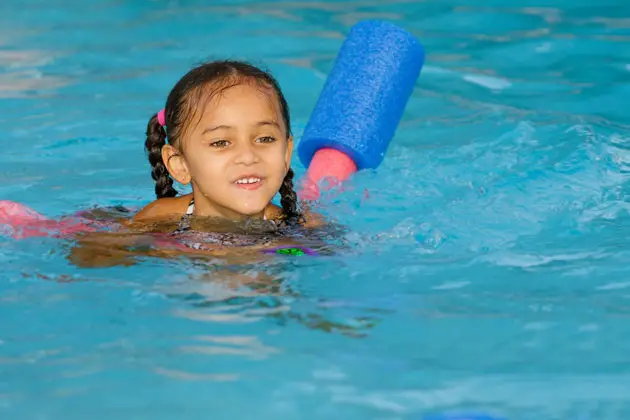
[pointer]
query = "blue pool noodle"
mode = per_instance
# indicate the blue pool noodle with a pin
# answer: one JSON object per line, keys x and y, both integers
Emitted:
{"x": 365, "y": 94}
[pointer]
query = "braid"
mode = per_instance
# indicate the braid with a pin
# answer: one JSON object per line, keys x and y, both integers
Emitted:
{"x": 288, "y": 197}
{"x": 156, "y": 139}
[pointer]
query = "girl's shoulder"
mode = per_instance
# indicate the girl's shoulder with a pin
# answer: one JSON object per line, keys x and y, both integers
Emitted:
{"x": 308, "y": 218}
{"x": 312, "y": 219}
{"x": 164, "y": 208}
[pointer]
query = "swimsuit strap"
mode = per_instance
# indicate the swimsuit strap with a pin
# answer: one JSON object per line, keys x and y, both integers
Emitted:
{"x": 191, "y": 207}
{"x": 184, "y": 222}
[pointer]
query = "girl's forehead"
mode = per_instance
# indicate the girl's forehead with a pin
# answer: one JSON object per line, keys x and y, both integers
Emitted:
{"x": 243, "y": 94}
{"x": 243, "y": 101}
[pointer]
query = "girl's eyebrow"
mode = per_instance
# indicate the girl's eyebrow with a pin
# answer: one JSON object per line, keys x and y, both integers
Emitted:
{"x": 215, "y": 128}
{"x": 227, "y": 127}
{"x": 261, "y": 123}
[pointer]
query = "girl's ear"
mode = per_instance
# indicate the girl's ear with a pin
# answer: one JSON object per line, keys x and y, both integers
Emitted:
{"x": 176, "y": 164}
{"x": 289, "y": 153}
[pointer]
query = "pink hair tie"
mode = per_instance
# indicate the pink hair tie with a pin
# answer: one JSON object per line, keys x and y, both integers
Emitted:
{"x": 161, "y": 117}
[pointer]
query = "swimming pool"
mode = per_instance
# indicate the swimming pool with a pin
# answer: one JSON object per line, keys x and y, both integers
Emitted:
{"x": 488, "y": 268}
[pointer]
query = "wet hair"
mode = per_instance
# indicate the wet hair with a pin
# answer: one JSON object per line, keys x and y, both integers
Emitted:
{"x": 188, "y": 98}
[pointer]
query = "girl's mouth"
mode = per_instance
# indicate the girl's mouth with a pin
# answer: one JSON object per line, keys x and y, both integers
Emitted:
{"x": 249, "y": 182}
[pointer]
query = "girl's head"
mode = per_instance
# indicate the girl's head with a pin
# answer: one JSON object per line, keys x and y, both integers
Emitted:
{"x": 229, "y": 134}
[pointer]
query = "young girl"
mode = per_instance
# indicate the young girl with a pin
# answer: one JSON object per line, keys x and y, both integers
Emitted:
{"x": 226, "y": 131}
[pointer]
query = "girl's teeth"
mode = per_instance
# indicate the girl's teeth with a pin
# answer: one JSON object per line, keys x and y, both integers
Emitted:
{"x": 248, "y": 180}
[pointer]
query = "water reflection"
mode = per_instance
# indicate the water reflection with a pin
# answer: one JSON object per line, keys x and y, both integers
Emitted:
{"x": 277, "y": 301}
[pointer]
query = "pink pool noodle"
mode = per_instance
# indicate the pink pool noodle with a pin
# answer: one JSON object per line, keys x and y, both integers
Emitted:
{"x": 20, "y": 221}
{"x": 327, "y": 164}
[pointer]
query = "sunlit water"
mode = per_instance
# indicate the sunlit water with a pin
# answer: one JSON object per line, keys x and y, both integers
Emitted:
{"x": 486, "y": 270}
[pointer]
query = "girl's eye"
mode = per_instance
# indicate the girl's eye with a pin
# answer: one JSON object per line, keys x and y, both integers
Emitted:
{"x": 219, "y": 143}
{"x": 266, "y": 139}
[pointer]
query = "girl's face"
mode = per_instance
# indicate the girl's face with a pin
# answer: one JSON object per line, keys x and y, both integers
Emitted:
{"x": 237, "y": 154}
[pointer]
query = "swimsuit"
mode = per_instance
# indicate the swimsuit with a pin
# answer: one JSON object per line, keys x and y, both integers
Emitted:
{"x": 198, "y": 239}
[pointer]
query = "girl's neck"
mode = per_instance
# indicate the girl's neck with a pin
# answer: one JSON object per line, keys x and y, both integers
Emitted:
{"x": 204, "y": 208}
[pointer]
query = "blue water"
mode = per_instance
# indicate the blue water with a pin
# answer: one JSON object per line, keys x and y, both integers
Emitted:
{"x": 488, "y": 267}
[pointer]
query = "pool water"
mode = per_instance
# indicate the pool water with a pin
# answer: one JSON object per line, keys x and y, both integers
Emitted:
{"x": 487, "y": 270}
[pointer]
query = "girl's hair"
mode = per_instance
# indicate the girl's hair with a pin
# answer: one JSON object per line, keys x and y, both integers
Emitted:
{"x": 188, "y": 98}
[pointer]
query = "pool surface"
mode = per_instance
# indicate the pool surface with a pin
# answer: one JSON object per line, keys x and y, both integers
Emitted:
{"x": 487, "y": 270}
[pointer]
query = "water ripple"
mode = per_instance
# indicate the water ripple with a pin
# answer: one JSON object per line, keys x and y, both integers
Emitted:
{"x": 485, "y": 265}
